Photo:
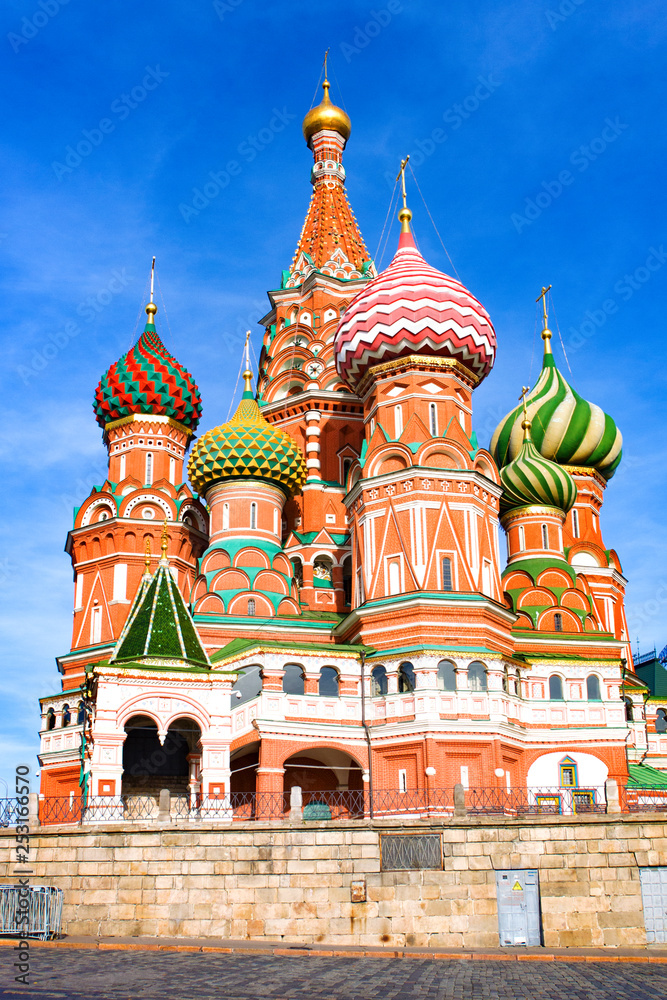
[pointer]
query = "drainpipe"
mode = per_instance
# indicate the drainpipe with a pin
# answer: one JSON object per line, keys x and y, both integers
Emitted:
{"x": 362, "y": 656}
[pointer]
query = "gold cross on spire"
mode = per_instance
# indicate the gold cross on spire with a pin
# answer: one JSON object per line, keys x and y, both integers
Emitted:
{"x": 401, "y": 176}
{"x": 405, "y": 214}
{"x": 543, "y": 296}
{"x": 525, "y": 390}
{"x": 165, "y": 539}
{"x": 525, "y": 423}
{"x": 326, "y": 59}
{"x": 147, "y": 557}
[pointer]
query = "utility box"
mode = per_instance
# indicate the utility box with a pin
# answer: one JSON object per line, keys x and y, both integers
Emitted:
{"x": 519, "y": 916}
{"x": 654, "y": 899}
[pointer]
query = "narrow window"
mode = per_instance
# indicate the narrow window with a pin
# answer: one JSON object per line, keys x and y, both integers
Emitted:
{"x": 558, "y": 622}
{"x": 433, "y": 418}
{"x": 545, "y": 536}
{"x": 372, "y": 425}
{"x": 66, "y": 716}
{"x": 251, "y": 607}
{"x": 465, "y": 780}
{"x": 347, "y": 464}
{"x": 661, "y": 721}
{"x": 149, "y": 469}
{"x": 555, "y": 688}
{"x": 78, "y": 591}
{"x": 629, "y": 710}
{"x": 477, "y": 680}
{"x": 121, "y": 468}
{"x": 96, "y": 625}
{"x": 446, "y": 573}
{"x": 406, "y": 678}
{"x": 402, "y": 780}
{"x": 50, "y": 719}
{"x": 225, "y": 517}
{"x": 172, "y": 471}
{"x": 575, "y": 523}
{"x": 275, "y": 520}
{"x": 568, "y": 773}
{"x": 593, "y": 687}
{"x": 522, "y": 538}
{"x": 80, "y": 714}
{"x": 394, "y": 577}
{"x": 446, "y": 680}
{"x": 327, "y": 686}
{"x": 120, "y": 582}
{"x": 253, "y": 516}
{"x": 378, "y": 682}
{"x": 398, "y": 421}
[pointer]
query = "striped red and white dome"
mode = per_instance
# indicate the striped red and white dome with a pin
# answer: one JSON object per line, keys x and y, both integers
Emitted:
{"x": 411, "y": 308}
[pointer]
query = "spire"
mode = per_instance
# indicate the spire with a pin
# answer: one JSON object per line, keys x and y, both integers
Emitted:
{"x": 406, "y": 239}
{"x": 546, "y": 332}
{"x": 247, "y": 374}
{"x": 159, "y": 625}
{"x": 330, "y": 240}
{"x": 151, "y": 308}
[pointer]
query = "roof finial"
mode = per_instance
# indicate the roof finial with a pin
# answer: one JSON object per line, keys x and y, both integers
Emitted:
{"x": 405, "y": 214}
{"x": 151, "y": 308}
{"x": 546, "y": 332}
{"x": 247, "y": 374}
{"x": 326, "y": 59}
{"x": 147, "y": 558}
{"x": 165, "y": 539}
{"x": 525, "y": 423}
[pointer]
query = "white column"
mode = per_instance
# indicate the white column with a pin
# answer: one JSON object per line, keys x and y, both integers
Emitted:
{"x": 313, "y": 418}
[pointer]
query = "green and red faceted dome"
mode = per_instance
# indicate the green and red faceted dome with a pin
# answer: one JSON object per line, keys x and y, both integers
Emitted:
{"x": 148, "y": 380}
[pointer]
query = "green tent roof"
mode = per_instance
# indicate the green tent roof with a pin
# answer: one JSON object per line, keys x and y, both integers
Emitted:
{"x": 159, "y": 624}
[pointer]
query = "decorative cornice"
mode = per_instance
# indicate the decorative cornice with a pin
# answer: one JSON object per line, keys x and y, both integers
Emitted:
{"x": 417, "y": 361}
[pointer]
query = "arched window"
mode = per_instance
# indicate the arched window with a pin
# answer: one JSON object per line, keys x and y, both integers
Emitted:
{"x": 378, "y": 682}
{"x": 80, "y": 714}
{"x": 50, "y": 719}
{"x": 247, "y": 685}
{"x": 446, "y": 573}
{"x": 172, "y": 470}
{"x": 149, "y": 469}
{"x": 545, "y": 536}
{"x": 661, "y": 721}
{"x": 433, "y": 419}
{"x": 328, "y": 683}
{"x": 121, "y": 468}
{"x": 629, "y": 710}
{"x": 394, "y": 577}
{"x": 477, "y": 676}
{"x": 252, "y": 607}
{"x": 558, "y": 622}
{"x": 253, "y": 516}
{"x": 398, "y": 420}
{"x": 522, "y": 538}
{"x": 406, "y": 678}
{"x": 297, "y": 570}
{"x": 555, "y": 688}
{"x": 446, "y": 676}
{"x": 275, "y": 520}
{"x": 225, "y": 517}
{"x": 568, "y": 773}
{"x": 293, "y": 679}
{"x": 66, "y": 717}
{"x": 575, "y": 523}
{"x": 593, "y": 687}
{"x": 347, "y": 463}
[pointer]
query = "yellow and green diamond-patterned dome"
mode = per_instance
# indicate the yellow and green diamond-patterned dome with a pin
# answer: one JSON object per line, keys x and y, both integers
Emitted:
{"x": 247, "y": 446}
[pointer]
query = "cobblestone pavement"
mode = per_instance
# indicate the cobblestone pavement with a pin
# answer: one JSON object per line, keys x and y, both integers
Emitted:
{"x": 142, "y": 975}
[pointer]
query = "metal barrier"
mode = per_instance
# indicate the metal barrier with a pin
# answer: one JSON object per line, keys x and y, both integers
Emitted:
{"x": 338, "y": 804}
{"x": 30, "y": 911}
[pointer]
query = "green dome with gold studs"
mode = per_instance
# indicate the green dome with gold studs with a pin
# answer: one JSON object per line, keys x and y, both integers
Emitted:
{"x": 247, "y": 447}
{"x": 532, "y": 479}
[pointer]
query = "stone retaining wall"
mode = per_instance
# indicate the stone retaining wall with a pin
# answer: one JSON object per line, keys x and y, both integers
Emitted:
{"x": 294, "y": 883}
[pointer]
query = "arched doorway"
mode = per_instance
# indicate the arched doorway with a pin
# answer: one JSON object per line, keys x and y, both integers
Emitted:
{"x": 331, "y": 783}
{"x": 243, "y": 780}
{"x": 149, "y": 766}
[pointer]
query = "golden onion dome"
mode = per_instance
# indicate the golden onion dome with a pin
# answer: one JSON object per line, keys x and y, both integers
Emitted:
{"x": 326, "y": 116}
{"x": 247, "y": 447}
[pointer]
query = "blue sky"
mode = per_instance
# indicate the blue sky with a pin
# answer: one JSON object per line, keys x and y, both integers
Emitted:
{"x": 537, "y": 138}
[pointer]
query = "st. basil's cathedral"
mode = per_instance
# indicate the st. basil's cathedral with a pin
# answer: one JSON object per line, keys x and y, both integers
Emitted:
{"x": 312, "y": 594}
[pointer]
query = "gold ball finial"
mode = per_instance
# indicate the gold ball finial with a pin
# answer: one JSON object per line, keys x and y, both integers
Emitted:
{"x": 404, "y": 217}
{"x": 147, "y": 556}
{"x": 151, "y": 309}
{"x": 165, "y": 539}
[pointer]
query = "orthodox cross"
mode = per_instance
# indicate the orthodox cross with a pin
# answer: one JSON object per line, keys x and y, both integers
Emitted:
{"x": 543, "y": 296}
{"x": 401, "y": 176}
{"x": 524, "y": 391}
{"x": 152, "y": 278}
